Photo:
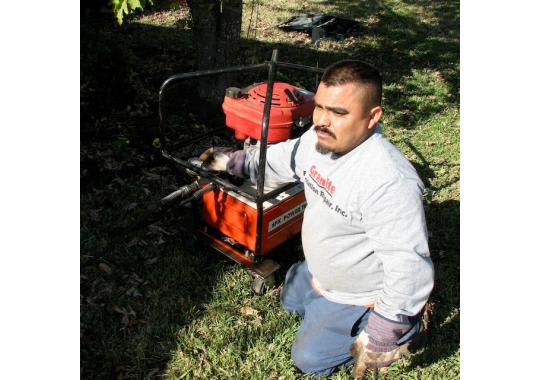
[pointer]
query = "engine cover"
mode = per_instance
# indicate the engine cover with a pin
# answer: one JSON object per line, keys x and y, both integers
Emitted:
{"x": 244, "y": 110}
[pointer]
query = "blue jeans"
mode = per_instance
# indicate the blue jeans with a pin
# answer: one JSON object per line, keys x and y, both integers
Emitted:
{"x": 328, "y": 328}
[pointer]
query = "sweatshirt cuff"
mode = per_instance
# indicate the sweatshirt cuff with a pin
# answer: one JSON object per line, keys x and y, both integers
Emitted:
{"x": 235, "y": 165}
{"x": 384, "y": 333}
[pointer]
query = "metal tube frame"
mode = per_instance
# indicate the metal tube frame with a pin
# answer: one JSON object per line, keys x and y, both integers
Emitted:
{"x": 272, "y": 66}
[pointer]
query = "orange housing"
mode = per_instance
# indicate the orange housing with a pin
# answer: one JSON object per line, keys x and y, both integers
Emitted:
{"x": 237, "y": 218}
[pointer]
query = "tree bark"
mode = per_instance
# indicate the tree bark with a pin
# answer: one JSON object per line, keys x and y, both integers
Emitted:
{"x": 216, "y": 34}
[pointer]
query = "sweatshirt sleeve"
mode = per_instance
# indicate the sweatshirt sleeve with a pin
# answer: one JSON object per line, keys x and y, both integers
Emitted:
{"x": 283, "y": 162}
{"x": 395, "y": 223}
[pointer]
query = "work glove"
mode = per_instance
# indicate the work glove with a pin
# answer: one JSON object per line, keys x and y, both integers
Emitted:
{"x": 224, "y": 159}
{"x": 376, "y": 346}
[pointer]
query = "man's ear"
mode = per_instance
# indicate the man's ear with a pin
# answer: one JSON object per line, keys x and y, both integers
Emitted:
{"x": 374, "y": 116}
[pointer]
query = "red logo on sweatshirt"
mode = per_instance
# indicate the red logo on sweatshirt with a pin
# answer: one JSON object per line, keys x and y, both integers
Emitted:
{"x": 323, "y": 182}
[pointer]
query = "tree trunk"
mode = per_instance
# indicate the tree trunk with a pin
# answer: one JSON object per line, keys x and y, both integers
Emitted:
{"x": 216, "y": 32}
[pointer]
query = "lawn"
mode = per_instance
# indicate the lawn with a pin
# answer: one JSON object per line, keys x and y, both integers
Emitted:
{"x": 155, "y": 303}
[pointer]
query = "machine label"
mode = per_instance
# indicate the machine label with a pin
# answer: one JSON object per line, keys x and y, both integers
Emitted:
{"x": 286, "y": 216}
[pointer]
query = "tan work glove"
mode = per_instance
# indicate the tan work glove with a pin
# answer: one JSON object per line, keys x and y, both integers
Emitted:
{"x": 224, "y": 160}
{"x": 216, "y": 158}
{"x": 364, "y": 358}
{"x": 376, "y": 346}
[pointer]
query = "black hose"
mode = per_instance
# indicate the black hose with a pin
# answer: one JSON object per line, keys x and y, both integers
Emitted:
{"x": 182, "y": 192}
{"x": 198, "y": 194}
{"x": 156, "y": 211}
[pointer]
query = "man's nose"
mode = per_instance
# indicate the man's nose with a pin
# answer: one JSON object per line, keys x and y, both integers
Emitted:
{"x": 321, "y": 118}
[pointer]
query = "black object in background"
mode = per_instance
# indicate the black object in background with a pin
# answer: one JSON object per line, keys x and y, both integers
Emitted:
{"x": 320, "y": 25}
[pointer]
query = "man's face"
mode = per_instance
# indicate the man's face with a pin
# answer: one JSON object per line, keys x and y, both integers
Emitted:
{"x": 341, "y": 120}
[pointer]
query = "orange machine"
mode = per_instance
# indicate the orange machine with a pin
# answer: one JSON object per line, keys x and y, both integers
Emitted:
{"x": 235, "y": 216}
{"x": 247, "y": 222}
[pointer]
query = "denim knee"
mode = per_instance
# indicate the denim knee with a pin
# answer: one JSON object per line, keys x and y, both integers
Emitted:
{"x": 295, "y": 288}
{"x": 306, "y": 360}
{"x": 310, "y": 362}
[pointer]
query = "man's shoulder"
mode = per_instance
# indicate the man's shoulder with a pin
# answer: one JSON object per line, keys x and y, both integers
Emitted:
{"x": 388, "y": 164}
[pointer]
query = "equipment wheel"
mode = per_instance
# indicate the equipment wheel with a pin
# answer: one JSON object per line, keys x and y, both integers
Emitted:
{"x": 261, "y": 285}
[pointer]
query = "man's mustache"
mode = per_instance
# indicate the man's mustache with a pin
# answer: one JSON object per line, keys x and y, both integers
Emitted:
{"x": 324, "y": 129}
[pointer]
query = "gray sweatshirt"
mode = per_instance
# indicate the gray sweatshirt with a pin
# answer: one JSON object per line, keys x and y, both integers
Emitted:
{"x": 364, "y": 231}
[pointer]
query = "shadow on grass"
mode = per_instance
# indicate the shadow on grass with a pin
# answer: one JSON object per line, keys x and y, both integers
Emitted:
{"x": 442, "y": 338}
{"x": 137, "y": 292}
{"x": 125, "y": 66}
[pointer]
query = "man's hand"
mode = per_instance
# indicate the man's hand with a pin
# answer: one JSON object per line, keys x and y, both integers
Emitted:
{"x": 216, "y": 158}
{"x": 376, "y": 346}
{"x": 224, "y": 160}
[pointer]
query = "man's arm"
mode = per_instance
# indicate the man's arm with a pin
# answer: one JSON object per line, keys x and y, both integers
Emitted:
{"x": 282, "y": 164}
{"x": 395, "y": 223}
{"x": 284, "y": 160}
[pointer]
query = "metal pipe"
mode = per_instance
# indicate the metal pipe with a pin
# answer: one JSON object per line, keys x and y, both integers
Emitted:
{"x": 262, "y": 151}
{"x": 300, "y": 67}
{"x": 204, "y": 73}
{"x": 198, "y": 74}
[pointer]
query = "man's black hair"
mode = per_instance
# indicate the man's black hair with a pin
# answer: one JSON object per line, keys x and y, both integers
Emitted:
{"x": 355, "y": 71}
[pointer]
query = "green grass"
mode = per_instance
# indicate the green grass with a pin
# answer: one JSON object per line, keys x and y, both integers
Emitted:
{"x": 156, "y": 303}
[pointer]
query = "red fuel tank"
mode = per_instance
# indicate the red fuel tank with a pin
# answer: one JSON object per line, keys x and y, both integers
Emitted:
{"x": 244, "y": 110}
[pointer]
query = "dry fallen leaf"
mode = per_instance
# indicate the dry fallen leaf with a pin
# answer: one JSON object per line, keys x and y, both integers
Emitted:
{"x": 439, "y": 75}
{"x": 246, "y": 310}
{"x": 105, "y": 268}
{"x": 155, "y": 228}
{"x": 152, "y": 261}
{"x": 131, "y": 206}
{"x": 151, "y": 176}
{"x": 133, "y": 242}
{"x": 133, "y": 292}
